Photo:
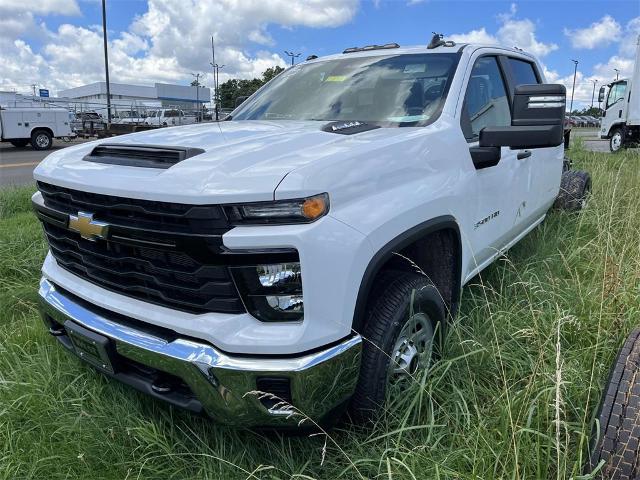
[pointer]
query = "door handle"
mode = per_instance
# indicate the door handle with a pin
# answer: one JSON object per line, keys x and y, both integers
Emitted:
{"x": 522, "y": 154}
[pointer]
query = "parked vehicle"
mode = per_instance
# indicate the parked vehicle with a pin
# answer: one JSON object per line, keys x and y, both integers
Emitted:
{"x": 620, "y": 122}
{"x": 35, "y": 126}
{"x": 168, "y": 117}
{"x": 235, "y": 269}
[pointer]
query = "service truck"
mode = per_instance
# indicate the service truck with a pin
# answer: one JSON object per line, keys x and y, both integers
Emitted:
{"x": 34, "y": 125}
{"x": 305, "y": 255}
{"x": 621, "y": 113}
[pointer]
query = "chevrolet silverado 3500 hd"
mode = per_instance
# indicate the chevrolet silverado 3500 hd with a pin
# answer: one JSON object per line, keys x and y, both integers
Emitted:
{"x": 277, "y": 251}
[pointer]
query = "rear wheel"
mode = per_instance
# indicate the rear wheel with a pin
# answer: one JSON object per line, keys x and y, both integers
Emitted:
{"x": 575, "y": 188}
{"x": 398, "y": 342}
{"x": 616, "y": 142}
{"x": 618, "y": 441}
{"x": 19, "y": 143}
{"x": 41, "y": 140}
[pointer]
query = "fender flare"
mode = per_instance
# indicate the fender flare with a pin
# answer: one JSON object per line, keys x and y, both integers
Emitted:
{"x": 398, "y": 243}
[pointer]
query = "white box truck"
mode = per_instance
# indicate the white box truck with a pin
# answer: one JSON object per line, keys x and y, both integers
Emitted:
{"x": 621, "y": 115}
{"x": 38, "y": 126}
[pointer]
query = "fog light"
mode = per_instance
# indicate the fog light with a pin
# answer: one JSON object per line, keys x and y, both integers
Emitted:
{"x": 286, "y": 303}
{"x": 271, "y": 292}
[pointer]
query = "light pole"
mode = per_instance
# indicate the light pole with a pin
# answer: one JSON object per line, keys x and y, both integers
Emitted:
{"x": 292, "y": 55}
{"x": 595, "y": 82}
{"x": 216, "y": 75}
{"x": 617, "y": 73}
{"x": 106, "y": 60}
{"x": 575, "y": 71}
{"x": 197, "y": 75}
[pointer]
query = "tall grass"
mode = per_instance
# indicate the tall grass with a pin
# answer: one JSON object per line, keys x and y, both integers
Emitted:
{"x": 513, "y": 396}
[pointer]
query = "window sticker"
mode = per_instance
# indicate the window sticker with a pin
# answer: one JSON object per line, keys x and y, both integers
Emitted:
{"x": 336, "y": 78}
{"x": 415, "y": 68}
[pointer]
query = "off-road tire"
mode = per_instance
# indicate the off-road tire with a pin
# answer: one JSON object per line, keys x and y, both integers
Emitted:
{"x": 19, "y": 143}
{"x": 41, "y": 140}
{"x": 575, "y": 188}
{"x": 388, "y": 315}
{"x": 612, "y": 143}
{"x": 618, "y": 443}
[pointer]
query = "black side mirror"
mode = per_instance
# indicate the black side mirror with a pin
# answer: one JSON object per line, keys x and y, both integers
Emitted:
{"x": 240, "y": 100}
{"x": 537, "y": 119}
{"x": 601, "y": 94}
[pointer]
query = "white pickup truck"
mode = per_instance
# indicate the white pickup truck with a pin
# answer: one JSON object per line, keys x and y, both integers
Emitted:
{"x": 313, "y": 246}
{"x": 38, "y": 126}
{"x": 168, "y": 117}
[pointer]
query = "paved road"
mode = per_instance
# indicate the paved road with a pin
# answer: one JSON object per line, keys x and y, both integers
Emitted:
{"x": 592, "y": 141}
{"x": 17, "y": 164}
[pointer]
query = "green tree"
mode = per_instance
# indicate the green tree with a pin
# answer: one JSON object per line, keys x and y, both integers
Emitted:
{"x": 234, "y": 88}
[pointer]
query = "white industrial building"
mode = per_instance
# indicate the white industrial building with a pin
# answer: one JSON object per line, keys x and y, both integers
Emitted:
{"x": 136, "y": 97}
{"x": 93, "y": 97}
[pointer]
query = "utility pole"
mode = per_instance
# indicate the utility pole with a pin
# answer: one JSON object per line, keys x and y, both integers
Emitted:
{"x": 595, "y": 82}
{"x": 106, "y": 60}
{"x": 617, "y": 73}
{"x": 197, "y": 75}
{"x": 292, "y": 55}
{"x": 34, "y": 85}
{"x": 575, "y": 71}
{"x": 216, "y": 76}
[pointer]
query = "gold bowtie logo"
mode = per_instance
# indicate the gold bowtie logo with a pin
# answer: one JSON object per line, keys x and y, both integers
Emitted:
{"x": 87, "y": 227}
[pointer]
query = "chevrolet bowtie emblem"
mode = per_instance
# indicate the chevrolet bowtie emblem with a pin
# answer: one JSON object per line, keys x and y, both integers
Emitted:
{"x": 87, "y": 227}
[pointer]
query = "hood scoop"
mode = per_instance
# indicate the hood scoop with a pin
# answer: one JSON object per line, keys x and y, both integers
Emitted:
{"x": 350, "y": 127}
{"x": 148, "y": 156}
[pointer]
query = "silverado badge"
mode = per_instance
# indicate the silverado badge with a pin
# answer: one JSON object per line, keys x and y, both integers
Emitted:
{"x": 87, "y": 227}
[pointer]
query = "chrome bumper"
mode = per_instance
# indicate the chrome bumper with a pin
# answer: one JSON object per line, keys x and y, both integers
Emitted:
{"x": 222, "y": 385}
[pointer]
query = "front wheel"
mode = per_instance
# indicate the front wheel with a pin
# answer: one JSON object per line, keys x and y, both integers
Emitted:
{"x": 616, "y": 142}
{"x": 398, "y": 339}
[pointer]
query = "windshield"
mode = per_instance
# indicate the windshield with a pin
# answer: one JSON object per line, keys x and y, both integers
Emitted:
{"x": 400, "y": 90}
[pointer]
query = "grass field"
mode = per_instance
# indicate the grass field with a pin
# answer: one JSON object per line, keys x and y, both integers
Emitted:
{"x": 513, "y": 396}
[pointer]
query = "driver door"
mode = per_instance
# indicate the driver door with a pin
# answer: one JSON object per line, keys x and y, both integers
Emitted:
{"x": 495, "y": 220}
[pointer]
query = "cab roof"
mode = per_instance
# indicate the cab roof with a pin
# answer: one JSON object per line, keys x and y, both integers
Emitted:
{"x": 417, "y": 49}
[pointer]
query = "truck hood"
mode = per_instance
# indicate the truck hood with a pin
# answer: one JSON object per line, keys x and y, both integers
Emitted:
{"x": 243, "y": 161}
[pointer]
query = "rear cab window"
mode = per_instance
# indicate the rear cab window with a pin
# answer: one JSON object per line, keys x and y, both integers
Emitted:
{"x": 522, "y": 72}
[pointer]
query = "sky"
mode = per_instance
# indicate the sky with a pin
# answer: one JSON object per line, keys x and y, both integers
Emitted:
{"x": 57, "y": 44}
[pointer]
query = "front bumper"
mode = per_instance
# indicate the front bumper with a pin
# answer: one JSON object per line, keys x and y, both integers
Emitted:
{"x": 195, "y": 375}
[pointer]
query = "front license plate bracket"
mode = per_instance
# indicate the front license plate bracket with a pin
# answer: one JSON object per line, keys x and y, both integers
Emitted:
{"x": 91, "y": 347}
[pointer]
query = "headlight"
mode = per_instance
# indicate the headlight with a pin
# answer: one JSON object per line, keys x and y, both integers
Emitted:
{"x": 271, "y": 293}
{"x": 302, "y": 210}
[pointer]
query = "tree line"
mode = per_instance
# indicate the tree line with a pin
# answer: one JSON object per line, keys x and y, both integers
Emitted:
{"x": 234, "y": 88}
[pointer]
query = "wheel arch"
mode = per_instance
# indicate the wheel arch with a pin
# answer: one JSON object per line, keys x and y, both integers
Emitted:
{"x": 385, "y": 256}
{"x": 37, "y": 129}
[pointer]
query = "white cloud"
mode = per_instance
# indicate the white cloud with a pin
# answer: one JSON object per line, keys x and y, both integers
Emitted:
{"x": 511, "y": 33}
{"x": 41, "y": 7}
{"x": 598, "y": 34}
{"x": 629, "y": 41}
{"x": 166, "y": 43}
{"x": 475, "y": 36}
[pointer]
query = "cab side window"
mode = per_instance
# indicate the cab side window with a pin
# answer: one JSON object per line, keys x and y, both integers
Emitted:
{"x": 522, "y": 72}
{"x": 616, "y": 93}
{"x": 485, "y": 103}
